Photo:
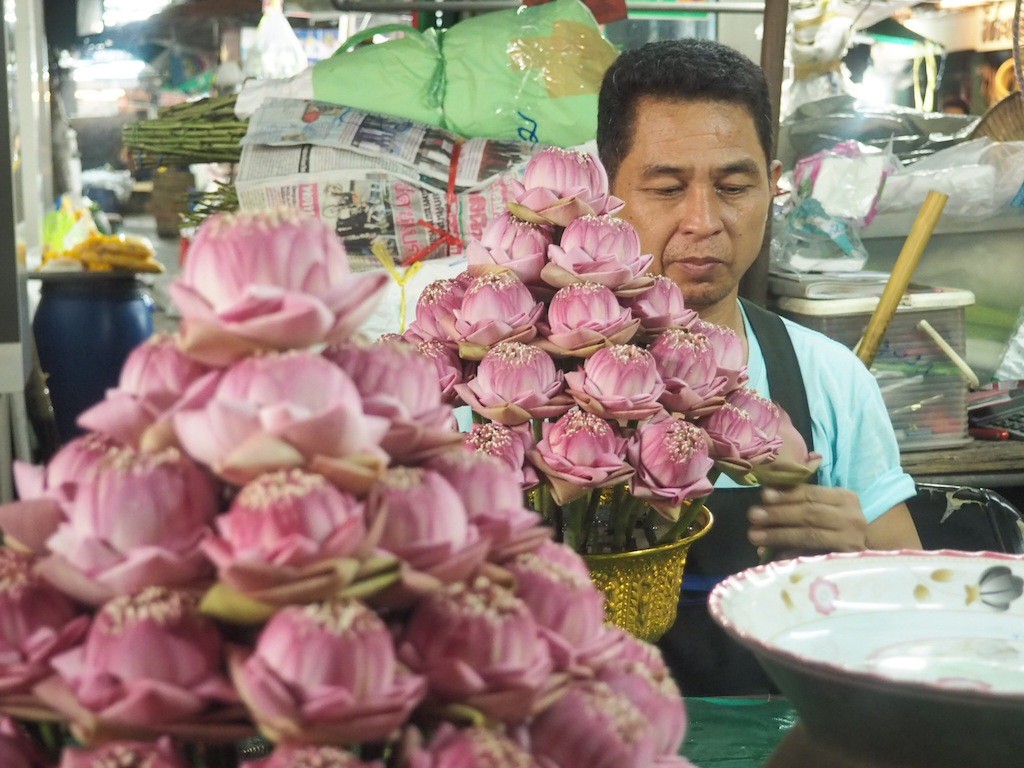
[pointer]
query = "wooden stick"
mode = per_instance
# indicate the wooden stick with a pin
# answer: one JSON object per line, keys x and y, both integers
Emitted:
{"x": 902, "y": 271}
{"x": 969, "y": 375}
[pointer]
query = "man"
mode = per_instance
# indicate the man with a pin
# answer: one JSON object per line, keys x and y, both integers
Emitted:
{"x": 685, "y": 132}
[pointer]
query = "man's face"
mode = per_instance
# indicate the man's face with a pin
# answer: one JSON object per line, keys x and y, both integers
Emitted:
{"x": 698, "y": 190}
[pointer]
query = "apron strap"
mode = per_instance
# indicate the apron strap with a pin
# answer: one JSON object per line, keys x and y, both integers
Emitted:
{"x": 783, "y": 369}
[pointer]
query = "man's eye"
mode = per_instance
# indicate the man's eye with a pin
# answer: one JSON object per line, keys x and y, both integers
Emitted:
{"x": 667, "y": 191}
{"x": 733, "y": 190}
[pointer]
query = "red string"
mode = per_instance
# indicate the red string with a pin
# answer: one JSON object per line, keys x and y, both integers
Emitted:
{"x": 444, "y": 236}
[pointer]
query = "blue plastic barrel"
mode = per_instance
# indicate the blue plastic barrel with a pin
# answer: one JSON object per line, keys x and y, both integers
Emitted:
{"x": 85, "y": 326}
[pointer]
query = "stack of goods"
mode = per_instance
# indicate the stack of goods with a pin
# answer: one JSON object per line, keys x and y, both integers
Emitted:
{"x": 203, "y": 131}
{"x": 272, "y": 526}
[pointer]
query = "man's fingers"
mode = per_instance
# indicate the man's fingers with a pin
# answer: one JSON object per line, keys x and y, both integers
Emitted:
{"x": 800, "y": 539}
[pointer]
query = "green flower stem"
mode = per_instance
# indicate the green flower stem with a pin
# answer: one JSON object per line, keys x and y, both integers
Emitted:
{"x": 680, "y": 526}
{"x": 538, "y": 430}
{"x": 588, "y": 519}
{"x": 637, "y": 510}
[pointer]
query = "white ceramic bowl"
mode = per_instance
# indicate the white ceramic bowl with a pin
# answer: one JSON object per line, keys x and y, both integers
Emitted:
{"x": 902, "y": 658}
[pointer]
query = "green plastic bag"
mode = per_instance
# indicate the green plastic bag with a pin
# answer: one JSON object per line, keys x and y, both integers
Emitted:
{"x": 527, "y": 74}
{"x": 524, "y": 74}
{"x": 401, "y": 77}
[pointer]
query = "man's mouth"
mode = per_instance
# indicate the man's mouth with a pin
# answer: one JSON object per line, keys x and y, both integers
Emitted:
{"x": 697, "y": 266}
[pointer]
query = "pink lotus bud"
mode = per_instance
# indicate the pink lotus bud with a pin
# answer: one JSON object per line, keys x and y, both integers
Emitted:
{"x": 17, "y": 750}
{"x": 580, "y": 451}
{"x": 584, "y": 317}
{"x": 793, "y": 464}
{"x": 478, "y": 644}
{"x": 290, "y": 518}
{"x": 397, "y": 383}
{"x": 506, "y": 444}
{"x": 512, "y": 244}
{"x": 326, "y": 673}
{"x": 153, "y": 647}
{"x": 515, "y": 383}
{"x": 736, "y": 439}
{"x": 599, "y": 249}
{"x": 125, "y": 754}
{"x": 661, "y": 306}
{"x": 595, "y": 726}
{"x": 287, "y": 756}
{"x": 435, "y": 311}
{"x": 154, "y": 376}
{"x": 493, "y": 497}
{"x": 38, "y": 623}
{"x": 75, "y": 463}
{"x": 765, "y": 413}
{"x": 565, "y": 603}
{"x": 447, "y": 368}
{"x": 638, "y": 673}
{"x": 425, "y": 522}
{"x": 689, "y": 367}
{"x": 278, "y": 411}
{"x": 729, "y": 351}
{"x": 560, "y": 185}
{"x": 268, "y": 280}
{"x": 138, "y": 523}
{"x": 479, "y": 747}
{"x": 672, "y": 464}
{"x": 497, "y": 307}
{"x": 620, "y": 382}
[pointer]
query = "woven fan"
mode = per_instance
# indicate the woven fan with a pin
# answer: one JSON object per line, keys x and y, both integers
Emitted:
{"x": 1018, "y": 33}
{"x": 1004, "y": 121}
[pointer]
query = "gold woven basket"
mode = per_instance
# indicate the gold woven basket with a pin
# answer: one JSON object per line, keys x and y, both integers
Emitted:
{"x": 641, "y": 588}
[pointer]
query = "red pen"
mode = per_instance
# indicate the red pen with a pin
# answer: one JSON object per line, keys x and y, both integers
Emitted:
{"x": 988, "y": 433}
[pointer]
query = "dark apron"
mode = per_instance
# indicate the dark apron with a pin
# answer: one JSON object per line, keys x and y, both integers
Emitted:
{"x": 703, "y": 659}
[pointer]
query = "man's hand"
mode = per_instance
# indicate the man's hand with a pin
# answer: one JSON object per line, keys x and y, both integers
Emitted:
{"x": 808, "y": 519}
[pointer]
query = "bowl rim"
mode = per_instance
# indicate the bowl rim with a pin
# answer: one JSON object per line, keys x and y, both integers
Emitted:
{"x": 835, "y": 672}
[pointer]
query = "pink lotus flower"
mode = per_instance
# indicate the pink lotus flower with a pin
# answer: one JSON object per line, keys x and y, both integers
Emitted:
{"x": 38, "y": 623}
{"x": 447, "y": 368}
{"x": 125, "y": 754}
{"x": 560, "y": 185}
{"x": 729, "y": 351}
{"x": 661, "y": 307}
{"x": 149, "y": 662}
{"x": 435, "y": 311}
{"x": 512, "y": 244}
{"x": 44, "y": 490}
{"x": 593, "y": 725}
{"x": 506, "y": 444}
{"x": 737, "y": 442}
{"x": 619, "y": 382}
{"x": 17, "y": 750}
{"x": 397, "y": 383}
{"x": 580, "y": 451}
{"x": 793, "y": 464}
{"x": 154, "y": 376}
{"x": 493, "y": 497}
{"x": 565, "y": 603}
{"x": 584, "y": 317}
{"x": 638, "y": 672}
{"x": 138, "y": 522}
{"x": 496, "y": 307}
{"x": 279, "y": 411}
{"x": 287, "y": 756}
{"x": 515, "y": 383}
{"x": 325, "y": 673}
{"x": 672, "y": 464}
{"x": 477, "y": 644}
{"x": 689, "y": 367}
{"x": 287, "y": 536}
{"x": 479, "y": 747}
{"x": 425, "y": 524}
{"x": 602, "y": 250}
{"x": 268, "y": 280}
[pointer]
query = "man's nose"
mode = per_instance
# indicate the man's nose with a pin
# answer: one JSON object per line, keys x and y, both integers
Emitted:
{"x": 699, "y": 213}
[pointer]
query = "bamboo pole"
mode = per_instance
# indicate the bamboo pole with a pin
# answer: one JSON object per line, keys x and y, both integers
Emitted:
{"x": 902, "y": 272}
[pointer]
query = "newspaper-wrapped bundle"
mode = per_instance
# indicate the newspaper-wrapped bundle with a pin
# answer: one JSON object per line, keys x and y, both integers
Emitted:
{"x": 419, "y": 190}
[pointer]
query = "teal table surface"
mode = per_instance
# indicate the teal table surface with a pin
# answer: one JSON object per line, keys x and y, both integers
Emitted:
{"x": 735, "y": 732}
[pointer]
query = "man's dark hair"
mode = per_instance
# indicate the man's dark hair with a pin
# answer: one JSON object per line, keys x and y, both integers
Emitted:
{"x": 693, "y": 70}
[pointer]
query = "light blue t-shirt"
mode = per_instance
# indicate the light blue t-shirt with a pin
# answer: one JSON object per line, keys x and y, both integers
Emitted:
{"x": 849, "y": 422}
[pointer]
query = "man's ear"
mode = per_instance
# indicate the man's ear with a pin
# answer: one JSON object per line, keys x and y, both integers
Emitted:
{"x": 774, "y": 174}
